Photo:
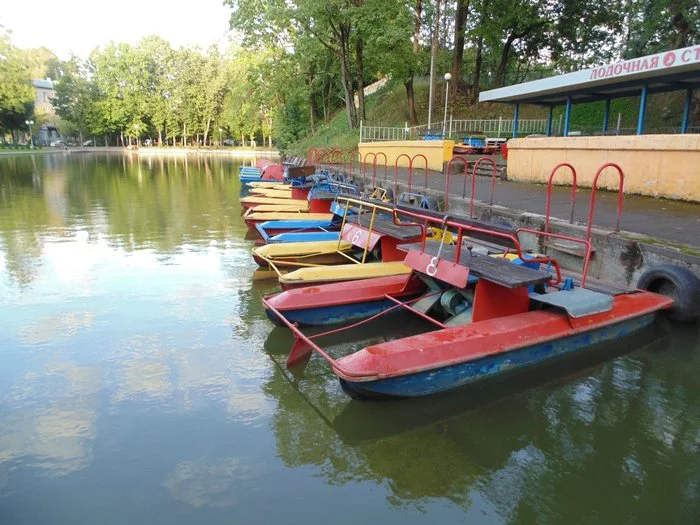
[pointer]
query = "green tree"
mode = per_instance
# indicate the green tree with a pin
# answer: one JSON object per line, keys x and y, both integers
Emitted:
{"x": 16, "y": 93}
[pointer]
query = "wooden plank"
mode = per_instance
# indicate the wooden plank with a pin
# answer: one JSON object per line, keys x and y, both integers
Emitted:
{"x": 303, "y": 171}
{"x": 464, "y": 220}
{"x": 496, "y": 270}
{"x": 386, "y": 226}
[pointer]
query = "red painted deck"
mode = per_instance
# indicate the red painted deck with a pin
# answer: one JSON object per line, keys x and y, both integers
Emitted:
{"x": 346, "y": 292}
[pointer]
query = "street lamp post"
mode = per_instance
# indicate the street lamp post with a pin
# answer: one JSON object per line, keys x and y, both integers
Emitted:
{"x": 448, "y": 77}
{"x": 31, "y": 137}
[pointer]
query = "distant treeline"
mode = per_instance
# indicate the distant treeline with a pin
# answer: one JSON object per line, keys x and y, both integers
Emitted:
{"x": 299, "y": 61}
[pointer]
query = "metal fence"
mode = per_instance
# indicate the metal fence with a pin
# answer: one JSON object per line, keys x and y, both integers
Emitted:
{"x": 493, "y": 128}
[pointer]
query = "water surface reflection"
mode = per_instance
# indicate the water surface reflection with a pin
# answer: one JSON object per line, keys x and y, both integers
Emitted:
{"x": 140, "y": 381}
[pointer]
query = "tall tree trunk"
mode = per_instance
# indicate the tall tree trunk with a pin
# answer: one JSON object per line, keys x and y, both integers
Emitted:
{"x": 411, "y": 99}
{"x": 346, "y": 77}
{"x": 360, "y": 79}
{"x": 477, "y": 70}
{"x": 412, "y": 117}
{"x": 433, "y": 58}
{"x": 503, "y": 62}
{"x": 206, "y": 130}
{"x": 458, "y": 56}
{"x": 160, "y": 138}
{"x": 313, "y": 103}
{"x": 184, "y": 134}
{"x": 416, "y": 27}
{"x": 679, "y": 23}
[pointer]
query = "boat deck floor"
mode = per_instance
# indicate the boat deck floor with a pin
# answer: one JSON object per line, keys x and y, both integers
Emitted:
{"x": 596, "y": 285}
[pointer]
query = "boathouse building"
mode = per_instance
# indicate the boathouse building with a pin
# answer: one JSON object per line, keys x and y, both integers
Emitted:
{"x": 656, "y": 162}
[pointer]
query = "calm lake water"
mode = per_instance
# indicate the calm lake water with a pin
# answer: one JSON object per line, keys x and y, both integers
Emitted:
{"x": 141, "y": 383}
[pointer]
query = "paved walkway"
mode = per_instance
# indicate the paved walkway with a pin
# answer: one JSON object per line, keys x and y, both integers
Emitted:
{"x": 667, "y": 220}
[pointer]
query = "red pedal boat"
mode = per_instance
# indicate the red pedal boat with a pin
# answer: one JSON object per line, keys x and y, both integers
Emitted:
{"x": 490, "y": 316}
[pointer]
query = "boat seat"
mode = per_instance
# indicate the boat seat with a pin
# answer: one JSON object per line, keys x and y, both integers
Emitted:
{"x": 495, "y": 269}
{"x": 578, "y": 302}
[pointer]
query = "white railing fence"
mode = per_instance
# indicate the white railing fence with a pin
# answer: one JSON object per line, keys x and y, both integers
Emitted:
{"x": 492, "y": 128}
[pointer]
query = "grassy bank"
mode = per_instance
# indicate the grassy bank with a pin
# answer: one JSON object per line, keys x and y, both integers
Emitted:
{"x": 388, "y": 107}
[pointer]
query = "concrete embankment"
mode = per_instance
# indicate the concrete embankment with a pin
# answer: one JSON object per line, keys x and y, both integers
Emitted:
{"x": 654, "y": 231}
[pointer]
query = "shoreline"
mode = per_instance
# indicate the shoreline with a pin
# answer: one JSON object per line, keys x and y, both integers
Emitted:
{"x": 149, "y": 152}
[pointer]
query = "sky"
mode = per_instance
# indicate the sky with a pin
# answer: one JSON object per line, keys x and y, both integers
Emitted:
{"x": 78, "y": 26}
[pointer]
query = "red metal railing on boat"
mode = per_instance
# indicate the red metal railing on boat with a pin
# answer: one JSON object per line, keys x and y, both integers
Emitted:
{"x": 493, "y": 182}
{"x": 586, "y": 244}
{"x": 549, "y": 194}
{"x": 620, "y": 196}
{"x": 465, "y": 161}
{"x": 446, "y": 222}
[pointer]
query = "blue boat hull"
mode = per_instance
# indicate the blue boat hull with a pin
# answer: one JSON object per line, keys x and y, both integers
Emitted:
{"x": 332, "y": 314}
{"x": 304, "y": 237}
{"x": 245, "y": 178}
{"x": 455, "y": 376}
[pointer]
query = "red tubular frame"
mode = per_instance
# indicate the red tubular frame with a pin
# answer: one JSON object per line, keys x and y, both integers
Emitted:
{"x": 426, "y": 169}
{"x": 446, "y": 222}
{"x": 620, "y": 196}
{"x": 493, "y": 182}
{"x": 396, "y": 174}
{"x": 465, "y": 161}
{"x": 353, "y": 153}
{"x": 374, "y": 166}
{"x": 299, "y": 335}
{"x": 549, "y": 194}
{"x": 364, "y": 167}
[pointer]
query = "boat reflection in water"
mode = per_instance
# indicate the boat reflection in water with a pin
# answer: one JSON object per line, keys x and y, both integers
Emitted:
{"x": 515, "y": 443}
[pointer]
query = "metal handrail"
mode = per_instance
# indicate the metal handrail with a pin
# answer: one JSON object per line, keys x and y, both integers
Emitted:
{"x": 493, "y": 182}
{"x": 465, "y": 161}
{"x": 620, "y": 196}
{"x": 549, "y": 194}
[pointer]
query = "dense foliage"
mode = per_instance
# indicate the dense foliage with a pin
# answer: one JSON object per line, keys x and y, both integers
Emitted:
{"x": 298, "y": 61}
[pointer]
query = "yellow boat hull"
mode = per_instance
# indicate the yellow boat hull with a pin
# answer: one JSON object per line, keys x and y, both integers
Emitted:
{"x": 296, "y": 254}
{"x": 267, "y": 208}
{"x": 342, "y": 272}
{"x": 266, "y": 184}
{"x": 272, "y": 193}
{"x": 255, "y": 216}
{"x": 254, "y": 200}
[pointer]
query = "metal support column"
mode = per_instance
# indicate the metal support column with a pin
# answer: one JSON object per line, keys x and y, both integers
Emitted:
{"x": 516, "y": 113}
{"x": 549, "y": 121}
{"x": 606, "y": 115}
{"x": 686, "y": 111}
{"x": 567, "y": 117}
{"x": 642, "y": 111}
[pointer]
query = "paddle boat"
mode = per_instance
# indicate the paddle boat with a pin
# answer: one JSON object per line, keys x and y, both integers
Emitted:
{"x": 320, "y": 200}
{"x": 264, "y": 169}
{"x": 368, "y": 229}
{"x": 486, "y": 315}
